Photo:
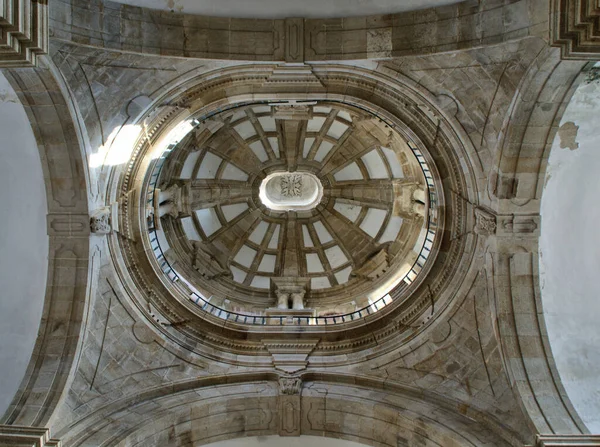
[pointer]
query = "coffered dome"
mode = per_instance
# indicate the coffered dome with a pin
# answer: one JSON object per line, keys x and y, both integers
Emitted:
{"x": 321, "y": 197}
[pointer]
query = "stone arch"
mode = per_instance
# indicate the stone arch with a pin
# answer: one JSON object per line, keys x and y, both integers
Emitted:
{"x": 69, "y": 264}
{"x": 212, "y": 409}
{"x": 512, "y": 257}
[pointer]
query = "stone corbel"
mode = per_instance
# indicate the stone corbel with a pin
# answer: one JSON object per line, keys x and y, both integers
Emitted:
{"x": 290, "y": 356}
{"x": 100, "y": 221}
{"x": 485, "y": 222}
{"x": 292, "y": 111}
{"x": 410, "y": 199}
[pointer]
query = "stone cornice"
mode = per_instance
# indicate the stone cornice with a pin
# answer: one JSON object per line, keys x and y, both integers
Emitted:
{"x": 23, "y": 436}
{"x": 575, "y": 28}
{"x": 23, "y": 32}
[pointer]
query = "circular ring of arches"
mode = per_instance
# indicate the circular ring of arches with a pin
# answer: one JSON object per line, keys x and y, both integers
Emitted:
{"x": 429, "y": 129}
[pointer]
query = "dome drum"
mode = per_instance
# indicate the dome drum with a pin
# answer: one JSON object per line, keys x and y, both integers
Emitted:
{"x": 361, "y": 248}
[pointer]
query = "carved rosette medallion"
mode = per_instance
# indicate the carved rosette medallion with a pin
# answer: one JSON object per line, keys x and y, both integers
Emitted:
{"x": 291, "y": 185}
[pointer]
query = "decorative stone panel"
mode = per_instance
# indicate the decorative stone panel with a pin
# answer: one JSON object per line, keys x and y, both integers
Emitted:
{"x": 23, "y": 32}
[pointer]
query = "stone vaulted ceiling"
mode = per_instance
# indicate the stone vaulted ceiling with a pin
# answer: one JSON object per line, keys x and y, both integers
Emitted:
{"x": 321, "y": 226}
{"x": 228, "y": 241}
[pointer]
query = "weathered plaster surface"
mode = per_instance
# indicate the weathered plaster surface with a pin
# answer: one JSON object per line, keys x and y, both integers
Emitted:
{"x": 570, "y": 258}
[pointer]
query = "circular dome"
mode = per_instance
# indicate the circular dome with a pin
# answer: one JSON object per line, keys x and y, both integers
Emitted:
{"x": 319, "y": 209}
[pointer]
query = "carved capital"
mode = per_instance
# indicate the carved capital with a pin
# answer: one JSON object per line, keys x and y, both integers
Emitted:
{"x": 290, "y": 385}
{"x": 485, "y": 222}
{"x": 100, "y": 221}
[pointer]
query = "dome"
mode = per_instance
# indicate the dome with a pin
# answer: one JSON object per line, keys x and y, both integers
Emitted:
{"x": 318, "y": 208}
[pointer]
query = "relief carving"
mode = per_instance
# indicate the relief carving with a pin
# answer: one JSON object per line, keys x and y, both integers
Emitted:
{"x": 485, "y": 222}
{"x": 290, "y": 385}
{"x": 291, "y": 185}
{"x": 100, "y": 221}
{"x": 515, "y": 224}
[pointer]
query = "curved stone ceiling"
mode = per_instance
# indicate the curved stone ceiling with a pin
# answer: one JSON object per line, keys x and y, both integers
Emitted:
{"x": 287, "y": 8}
{"x": 281, "y": 207}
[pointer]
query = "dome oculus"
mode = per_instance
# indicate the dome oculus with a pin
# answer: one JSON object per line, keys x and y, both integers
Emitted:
{"x": 291, "y": 191}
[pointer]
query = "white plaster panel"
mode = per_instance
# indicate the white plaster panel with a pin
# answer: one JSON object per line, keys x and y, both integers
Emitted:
{"x": 261, "y": 282}
{"x": 267, "y": 263}
{"x": 274, "y": 242}
{"x": 343, "y": 275}
{"x": 238, "y": 275}
{"x": 209, "y": 166}
{"x": 261, "y": 109}
{"x": 337, "y": 129}
{"x": 306, "y": 237}
{"x": 245, "y": 256}
{"x": 375, "y": 165}
{"x": 335, "y": 256}
{"x": 245, "y": 129}
{"x": 315, "y": 124}
{"x": 274, "y": 142}
{"x": 322, "y": 232}
{"x": 232, "y": 172}
{"x": 308, "y": 142}
{"x": 238, "y": 115}
{"x": 313, "y": 263}
{"x": 570, "y": 255}
{"x": 321, "y": 109}
{"x": 189, "y": 229}
{"x": 350, "y": 172}
{"x": 189, "y": 164}
{"x": 345, "y": 115}
{"x": 259, "y": 150}
{"x": 321, "y": 282}
{"x": 324, "y": 149}
{"x": 350, "y": 211}
{"x": 209, "y": 221}
{"x": 267, "y": 123}
{"x": 392, "y": 229}
{"x": 373, "y": 221}
{"x": 232, "y": 211}
{"x": 259, "y": 232}
{"x": 394, "y": 163}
